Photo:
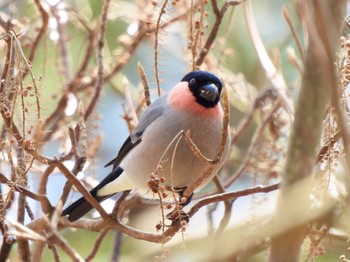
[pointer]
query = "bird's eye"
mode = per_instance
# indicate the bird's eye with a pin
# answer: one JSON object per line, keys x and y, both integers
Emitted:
{"x": 192, "y": 81}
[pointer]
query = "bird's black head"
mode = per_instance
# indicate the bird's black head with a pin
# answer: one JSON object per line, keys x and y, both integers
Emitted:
{"x": 206, "y": 87}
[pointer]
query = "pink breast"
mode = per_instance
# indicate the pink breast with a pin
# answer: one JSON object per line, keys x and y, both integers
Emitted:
{"x": 182, "y": 99}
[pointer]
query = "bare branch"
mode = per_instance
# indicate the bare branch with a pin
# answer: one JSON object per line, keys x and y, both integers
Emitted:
{"x": 316, "y": 83}
{"x": 97, "y": 245}
{"x": 273, "y": 75}
{"x": 145, "y": 83}
{"x": 100, "y": 66}
{"x": 215, "y": 29}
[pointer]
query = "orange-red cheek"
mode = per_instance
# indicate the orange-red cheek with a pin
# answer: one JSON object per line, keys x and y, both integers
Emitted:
{"x": 181, "y": 99}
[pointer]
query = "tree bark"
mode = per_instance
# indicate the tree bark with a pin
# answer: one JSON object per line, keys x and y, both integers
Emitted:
{"x": 323, "y": 20}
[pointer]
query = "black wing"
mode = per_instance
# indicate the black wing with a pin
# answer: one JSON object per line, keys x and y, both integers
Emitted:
{"x": 124, "y": 150}
{"x": 81, "y": 206}
{"x": 151, "y": 113}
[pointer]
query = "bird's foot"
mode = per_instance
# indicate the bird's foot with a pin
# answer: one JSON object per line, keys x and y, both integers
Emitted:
{"x": 183, "y": 201}
{"x": 178, "y": 215}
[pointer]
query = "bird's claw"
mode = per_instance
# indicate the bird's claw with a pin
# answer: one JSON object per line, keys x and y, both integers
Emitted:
{"x": 178, "y": 215}
{"x": 183, "y": 201}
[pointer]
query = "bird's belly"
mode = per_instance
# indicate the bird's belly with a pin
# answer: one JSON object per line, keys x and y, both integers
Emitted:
{"x": 178, "y": 166}
{"x": 169, "y": 156}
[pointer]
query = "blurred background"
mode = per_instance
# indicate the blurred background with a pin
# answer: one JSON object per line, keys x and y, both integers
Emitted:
{"x": 58, "y": 58}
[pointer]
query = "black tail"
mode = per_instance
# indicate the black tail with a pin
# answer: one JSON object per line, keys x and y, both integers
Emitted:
{"x": 80, "y": 207}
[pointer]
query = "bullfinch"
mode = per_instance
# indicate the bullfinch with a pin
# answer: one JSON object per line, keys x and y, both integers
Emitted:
{"x": 194, "y": 105}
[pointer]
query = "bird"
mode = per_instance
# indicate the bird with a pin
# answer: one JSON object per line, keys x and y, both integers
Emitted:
{"x": 155, "y": 146}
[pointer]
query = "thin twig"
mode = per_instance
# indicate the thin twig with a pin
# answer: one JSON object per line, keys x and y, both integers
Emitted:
{"x": 294, "y": 32}
{"x": 145, "y": 83}
{"x": 116, "y": 254}
{"x": 97, "y": 245}
{"x": 45, "y": 19}
{"x": 195, "y": 42}
{"x": 252, "y": 145}
{"x": 78, "y": 166}
{"x": 30, "y": 234}
{"x": 156, "y": 44}
{"x": 215, "y": 29}
{"x": 227, "y": 213}
{"x": 100, "y": 66}
{"x": 55, "y": 238}
{"x": 73, "y": 180}
{"x": 212, "y": 163}
{"x": 273, "y": 75}
{"x": 134, "y": 118}
{"x": 38, "y": 197}
{"x": 232, "y": 195}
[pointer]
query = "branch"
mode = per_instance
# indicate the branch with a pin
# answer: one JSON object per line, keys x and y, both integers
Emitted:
{"x": 232, "y": 195}
{"x": 97, "y": 245}
{"x": 45, "y": 19}
{"x": 73, "y": 180}
{"x": 219, "y": 15}
{"x": 252, "y": 145}
{"x": 212, "y": 163}
{"x": 273, "y": 75}
{"x": 99, "y": 224}
{"x": 311, "y": 106}
{"x": 100, "y": 66}
{"x": 38, "y": 197}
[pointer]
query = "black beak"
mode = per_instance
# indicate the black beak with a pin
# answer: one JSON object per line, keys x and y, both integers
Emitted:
{"x": 209, "y": 92}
